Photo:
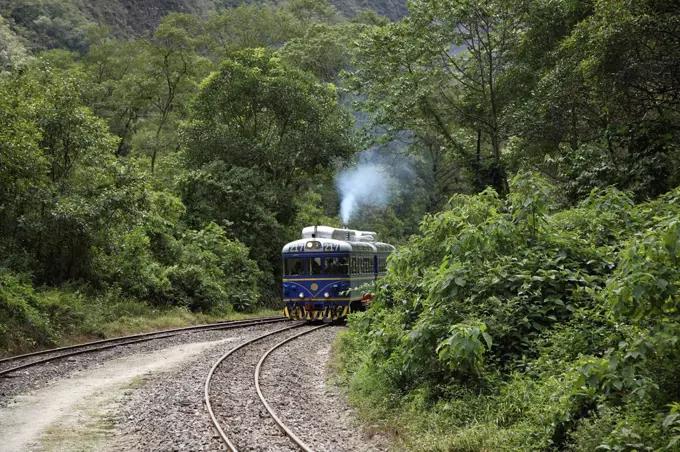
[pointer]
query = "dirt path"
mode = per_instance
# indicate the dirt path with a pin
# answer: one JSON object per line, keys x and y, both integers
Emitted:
{"x": 70, "y": 415}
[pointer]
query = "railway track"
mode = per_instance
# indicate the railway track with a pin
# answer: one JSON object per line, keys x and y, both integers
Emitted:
{"x": 20, "y": 362}
{"x": 220, "y": 418}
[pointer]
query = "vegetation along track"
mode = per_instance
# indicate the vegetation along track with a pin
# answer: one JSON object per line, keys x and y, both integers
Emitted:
{"x": 236, "y": 388}
{"x": 19, "y": 362}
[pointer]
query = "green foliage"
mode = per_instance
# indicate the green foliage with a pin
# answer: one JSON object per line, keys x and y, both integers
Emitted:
{"x": 48, "y": 24}
{"x": 276, "y": 118}
{"x": 672, "y": 422}
{"x": 12, "y": 48}
{"x": 436, "y": 75}
{"x": 22, "y": 320}
{"x": 73, "y": 213}
{"x": 323, "y": 51}
{"x": 464, "y": 349}
{"x": 214, "y": 273}
{"x": 258, "y": 131}
{"x": 72, "y": 24}
{"x": 554, "y": 327}
{"x": 594, "y": 107}
{"x": 247, "y": 26}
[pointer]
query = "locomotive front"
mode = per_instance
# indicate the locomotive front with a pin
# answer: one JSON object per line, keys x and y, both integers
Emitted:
{"x": 325, "y": 273}
{"x": 316, "y": 279}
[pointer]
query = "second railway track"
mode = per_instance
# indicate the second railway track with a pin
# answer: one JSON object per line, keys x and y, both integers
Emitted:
{"x": 237, "y": 407}
{"x": 13, "y": 364}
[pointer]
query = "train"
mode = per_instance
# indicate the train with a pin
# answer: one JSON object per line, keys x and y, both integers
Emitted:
{"x": 329, "y": 272}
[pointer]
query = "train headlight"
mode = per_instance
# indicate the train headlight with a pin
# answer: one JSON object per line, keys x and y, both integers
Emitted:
{"x": 326, "y": 295}
{"x": 302, "y": 295}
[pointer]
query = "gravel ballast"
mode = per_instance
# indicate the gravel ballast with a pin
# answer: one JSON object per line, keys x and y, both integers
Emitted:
{"x": 44, "y": 374}
{"x": 298, "y": 391}
{"x": 165, "y": 410}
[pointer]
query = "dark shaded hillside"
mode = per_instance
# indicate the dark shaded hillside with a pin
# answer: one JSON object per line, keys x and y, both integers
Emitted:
{"x": 138, "y": 16}
{"x": 50, "y": 24}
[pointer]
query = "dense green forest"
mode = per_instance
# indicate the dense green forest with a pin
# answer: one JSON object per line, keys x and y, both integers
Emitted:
{"x": 538, "y": 308}
{"x": 50, "y": 24}
{"x": 164, "y": 172}
{"x": 154, "y": 162}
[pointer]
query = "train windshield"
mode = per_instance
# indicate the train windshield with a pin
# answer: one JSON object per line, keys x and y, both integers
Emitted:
{"x": 337, "y": 266}
{"x": 292, "y": 267}
{"x": 313, "y": 266}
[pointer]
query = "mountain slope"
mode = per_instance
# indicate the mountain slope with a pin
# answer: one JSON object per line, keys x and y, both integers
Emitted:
{"x": 49, "y": 24}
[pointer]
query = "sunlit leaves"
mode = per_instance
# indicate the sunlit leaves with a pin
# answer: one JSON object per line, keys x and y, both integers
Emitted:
{"x": 464, "y": 349}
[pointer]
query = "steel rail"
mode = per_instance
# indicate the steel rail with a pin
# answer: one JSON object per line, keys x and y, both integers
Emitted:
{"x": 288, "y": 431}
{"x": 81, "y": 349}
{"x": 208, "y": 379}
{"x": 133, "y": 336}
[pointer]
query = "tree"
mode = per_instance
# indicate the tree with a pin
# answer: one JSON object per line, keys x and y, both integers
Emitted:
{"x": 24, "y": 166}
{"x": 600, "y": 107}
{"x": 248, "y": 26}
{"x": 120, "y": 90}
{"x": 324, "y": 50}
{"x": 257, "y": 131}
{"x": 173, "y": 66}
{"x": 11, "y": 46}
{"x": 257, "y": 113}
{"x": 437, "y": 74}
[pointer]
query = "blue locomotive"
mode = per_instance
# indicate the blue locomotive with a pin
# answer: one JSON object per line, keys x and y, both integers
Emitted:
{"x": 323, "y": 272}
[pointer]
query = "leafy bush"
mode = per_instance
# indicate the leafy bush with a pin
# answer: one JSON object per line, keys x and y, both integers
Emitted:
{"x": 214, "y": 273}
{"x": 21, "y": 320}
{"x": 32, "y": 319}
{"x": 527, "y": 328}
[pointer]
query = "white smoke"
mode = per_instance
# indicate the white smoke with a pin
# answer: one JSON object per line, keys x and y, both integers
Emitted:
{"x": 368, "y": 184}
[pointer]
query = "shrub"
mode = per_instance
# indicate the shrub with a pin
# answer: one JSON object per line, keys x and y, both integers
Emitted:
{"x": 21, "y": 318}
{"x": 555, "y": 326}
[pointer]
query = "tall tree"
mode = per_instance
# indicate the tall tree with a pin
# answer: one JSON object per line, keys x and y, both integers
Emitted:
{"x": 175, "y": 67}
{"x": 257, "y": 131}
{"x": 437, "y": 75}
{"x": 601, "y": 107}
{"x": 257, "y": 113}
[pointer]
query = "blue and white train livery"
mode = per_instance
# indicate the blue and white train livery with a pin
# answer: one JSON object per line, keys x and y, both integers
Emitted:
{"x": 325, "y": 272}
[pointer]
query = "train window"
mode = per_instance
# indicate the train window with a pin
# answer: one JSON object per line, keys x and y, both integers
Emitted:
{"x": 336, "y": 266}
{"x": 367, "y": 265}
{"x": 355, "y": 268}
{"x": 314, "y": 266}
{"x": 292, "y": 267}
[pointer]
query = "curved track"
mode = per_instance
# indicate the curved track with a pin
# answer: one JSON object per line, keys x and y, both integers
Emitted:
{"x": 209, "y": 404}
{"x": 258, "y": 369}
{"x": 90, "y": 347}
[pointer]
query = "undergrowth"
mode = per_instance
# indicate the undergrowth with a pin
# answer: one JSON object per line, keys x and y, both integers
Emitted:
{"x": 516, "y": 325}
{"x": 33, "y": 319}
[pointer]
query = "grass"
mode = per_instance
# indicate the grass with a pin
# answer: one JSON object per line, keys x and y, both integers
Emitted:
{"x": 70, "y": 317}
{"x": 174, "y": 318}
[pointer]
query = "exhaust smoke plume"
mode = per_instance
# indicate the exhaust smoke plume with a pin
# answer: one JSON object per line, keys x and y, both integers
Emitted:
{"x": 367, "y": 183}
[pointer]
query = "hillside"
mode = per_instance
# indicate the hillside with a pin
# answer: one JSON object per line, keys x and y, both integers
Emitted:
{"x": 66, "y": 23}
{"x": 144, "y": 15}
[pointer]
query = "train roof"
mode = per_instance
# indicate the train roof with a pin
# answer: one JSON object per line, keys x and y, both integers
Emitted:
{"x": 347, "y": 235}
{"x": 335, "y": 246}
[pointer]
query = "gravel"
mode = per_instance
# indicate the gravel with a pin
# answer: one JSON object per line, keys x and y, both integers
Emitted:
{"x": 237, "y": 406}
{"x": 299, "y": 393}
{"x": 44, "y": 374}
{"x": 166, "y": 411}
